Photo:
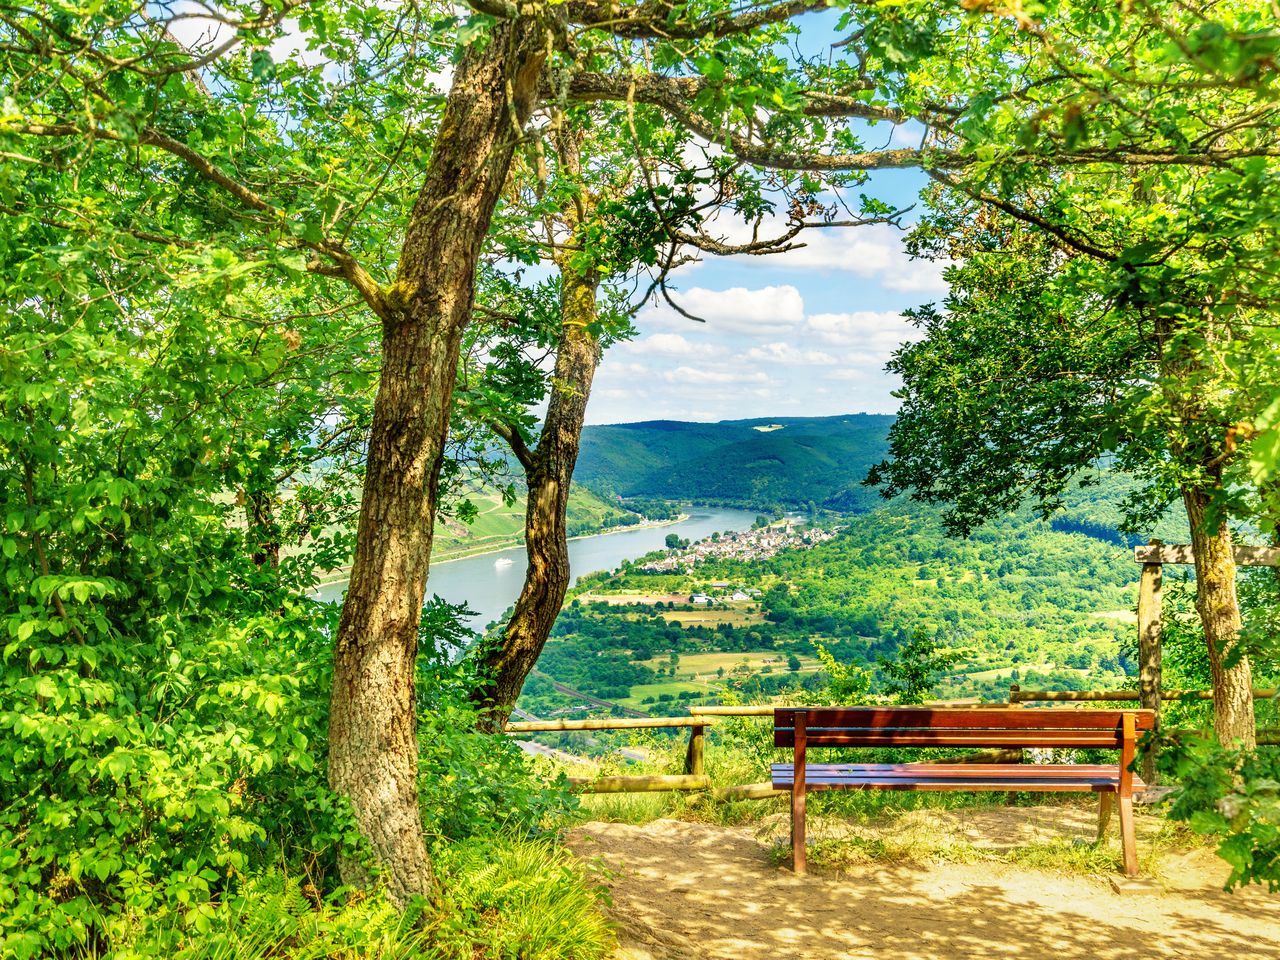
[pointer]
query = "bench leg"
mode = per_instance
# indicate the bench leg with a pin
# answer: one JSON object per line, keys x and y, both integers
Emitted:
{"x": 797, "y": 831}
{"x": 1104, "y": 815}
{"x": 1127, "y": 838}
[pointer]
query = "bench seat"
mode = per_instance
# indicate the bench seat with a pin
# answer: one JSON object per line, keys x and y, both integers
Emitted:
{"x": 1029, "y": 778}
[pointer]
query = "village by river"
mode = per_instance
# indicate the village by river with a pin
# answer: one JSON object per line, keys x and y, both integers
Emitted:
{"x": 490, "y": 583}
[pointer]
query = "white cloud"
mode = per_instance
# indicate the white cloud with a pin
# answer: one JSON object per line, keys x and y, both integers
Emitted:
{"x": 758, "y": 354}
{"x": 763, "y": 311}
{"x": 789, "y": 354}
{"x": 875, "y": 252}
{"x": 875, "y": 329}
{"x": 700, "y": 375}
{"x": 670, "y": 345}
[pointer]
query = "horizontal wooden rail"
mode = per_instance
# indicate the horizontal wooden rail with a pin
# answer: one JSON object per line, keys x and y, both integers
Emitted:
{"x": 606, "y": 723}
{"x": 750, "y": 791}
{"x": 767, "y": 709}
{"x": 1125, "y": 696}
{"x": 752, "y": 710}
{"x": 641, "y": 784}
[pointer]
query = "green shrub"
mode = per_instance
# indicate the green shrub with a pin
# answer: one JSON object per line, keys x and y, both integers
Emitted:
{"x": 150, "y": 778}
{"x": 273, "y": 915}
{"x": 507, "y": 899}
{"x": 501, "y": 899}
{"x": 472, "y": 783}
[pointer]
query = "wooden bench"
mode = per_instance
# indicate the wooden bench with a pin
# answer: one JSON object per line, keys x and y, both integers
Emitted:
{"x": 801, "y": 728}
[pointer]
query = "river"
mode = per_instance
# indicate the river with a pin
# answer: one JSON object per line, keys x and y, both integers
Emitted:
{"x": 489, "y": 587}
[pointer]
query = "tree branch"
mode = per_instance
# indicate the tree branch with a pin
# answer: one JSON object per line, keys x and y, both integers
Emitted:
{"x": 1026, "y": 216}
{"x": 653, "y": 20}
{"x": 347, "y": 266}
{"x": 515, "y": 442}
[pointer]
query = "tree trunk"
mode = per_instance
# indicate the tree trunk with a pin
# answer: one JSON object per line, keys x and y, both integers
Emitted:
{"x": 1198, "y": 449}
{"x": 264, "y": 532}
{"x": 504, "y": 665}
{"x": 373, "y": 749}
{"x": 1219, "y": 609}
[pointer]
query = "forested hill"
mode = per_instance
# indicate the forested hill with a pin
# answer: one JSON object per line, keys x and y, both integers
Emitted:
{"x": 794, "y": 462}
{"x": 787, "y": 461}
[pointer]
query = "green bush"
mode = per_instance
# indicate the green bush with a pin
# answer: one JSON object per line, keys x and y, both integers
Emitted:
{"x": 507, "y": 899}
{"x": 471, "y": 783}
{"x": 1233, "y": 797}
{"x": 501, "y": 898}
{"x": 150, "y": 781}
{"x": 273, "y": 915}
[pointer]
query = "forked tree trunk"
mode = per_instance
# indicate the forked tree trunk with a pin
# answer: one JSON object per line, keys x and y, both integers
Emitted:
{"x": 505, "y": 663}
{"x": 373, "y": 749}
{"x": 1219, "y": 609}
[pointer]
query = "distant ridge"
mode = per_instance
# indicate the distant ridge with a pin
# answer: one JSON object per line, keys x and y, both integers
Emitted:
{"x": 799, "y": 460}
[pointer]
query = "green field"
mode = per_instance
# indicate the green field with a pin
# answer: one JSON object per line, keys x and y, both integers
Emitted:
{"x": 498, "y": 526}
{"x": 655, "y": 690}
{"x": 706, "y": 666}
{"x": 740, "y": 616}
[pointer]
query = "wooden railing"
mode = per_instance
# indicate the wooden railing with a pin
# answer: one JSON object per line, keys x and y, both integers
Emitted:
{"x": 695, "y": 776}
{"x": 1018, "y": 695}
{"x": 1267, "y": 736}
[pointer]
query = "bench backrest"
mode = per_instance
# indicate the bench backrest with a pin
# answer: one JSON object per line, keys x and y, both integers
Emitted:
{"x": 943, "y": 727}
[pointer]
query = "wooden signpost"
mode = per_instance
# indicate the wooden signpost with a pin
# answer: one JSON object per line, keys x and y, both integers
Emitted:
{"x": 1153, "y": 557}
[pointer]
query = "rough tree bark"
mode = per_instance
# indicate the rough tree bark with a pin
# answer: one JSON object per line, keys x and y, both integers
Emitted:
{"x": 506, "y": 663}
{"x": 1219, "y": 609}
{"x": 260, "y": 515}
{"x": 373, "y": 750}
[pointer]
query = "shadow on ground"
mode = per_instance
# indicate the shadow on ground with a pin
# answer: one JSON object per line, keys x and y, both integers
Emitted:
{"x": 685, "y": 890}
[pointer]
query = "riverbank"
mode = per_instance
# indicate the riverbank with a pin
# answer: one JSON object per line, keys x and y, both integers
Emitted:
{"x": 343, "y": 574}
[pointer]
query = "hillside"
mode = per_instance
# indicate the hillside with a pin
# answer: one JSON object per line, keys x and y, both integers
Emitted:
{"x": 498, "y": 525}
{"x": 1019, "y": 601}
{"x": 786, "y": 461}
{"x": 796, "y": 462}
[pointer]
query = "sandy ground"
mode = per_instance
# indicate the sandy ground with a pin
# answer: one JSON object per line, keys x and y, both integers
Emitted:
{"x": 689, "y": 890}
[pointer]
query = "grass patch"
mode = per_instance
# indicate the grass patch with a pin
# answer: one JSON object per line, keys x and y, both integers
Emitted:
{"x": 500, "y": 899}
{"x": 655, "y": 690}
{"x": 706, "y": 666}
{"x": 529, "y": 899}
{"x": 713, "y": 616}
{"x": 932, "y": 836}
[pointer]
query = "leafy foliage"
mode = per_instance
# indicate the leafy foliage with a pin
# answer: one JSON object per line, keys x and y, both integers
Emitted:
{"x": 916, "y": 666}
{"x": 1233, "y": 796}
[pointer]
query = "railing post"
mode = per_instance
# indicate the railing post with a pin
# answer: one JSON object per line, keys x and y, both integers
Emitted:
{"x": 1149, "y": 653}
{"x": 694, "y": 756}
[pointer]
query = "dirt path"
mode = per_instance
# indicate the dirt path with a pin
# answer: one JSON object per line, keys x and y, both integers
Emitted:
{"x": 688, "y": 890}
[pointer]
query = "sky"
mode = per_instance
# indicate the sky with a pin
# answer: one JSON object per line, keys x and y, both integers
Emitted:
{"x": 801, "y": 333}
